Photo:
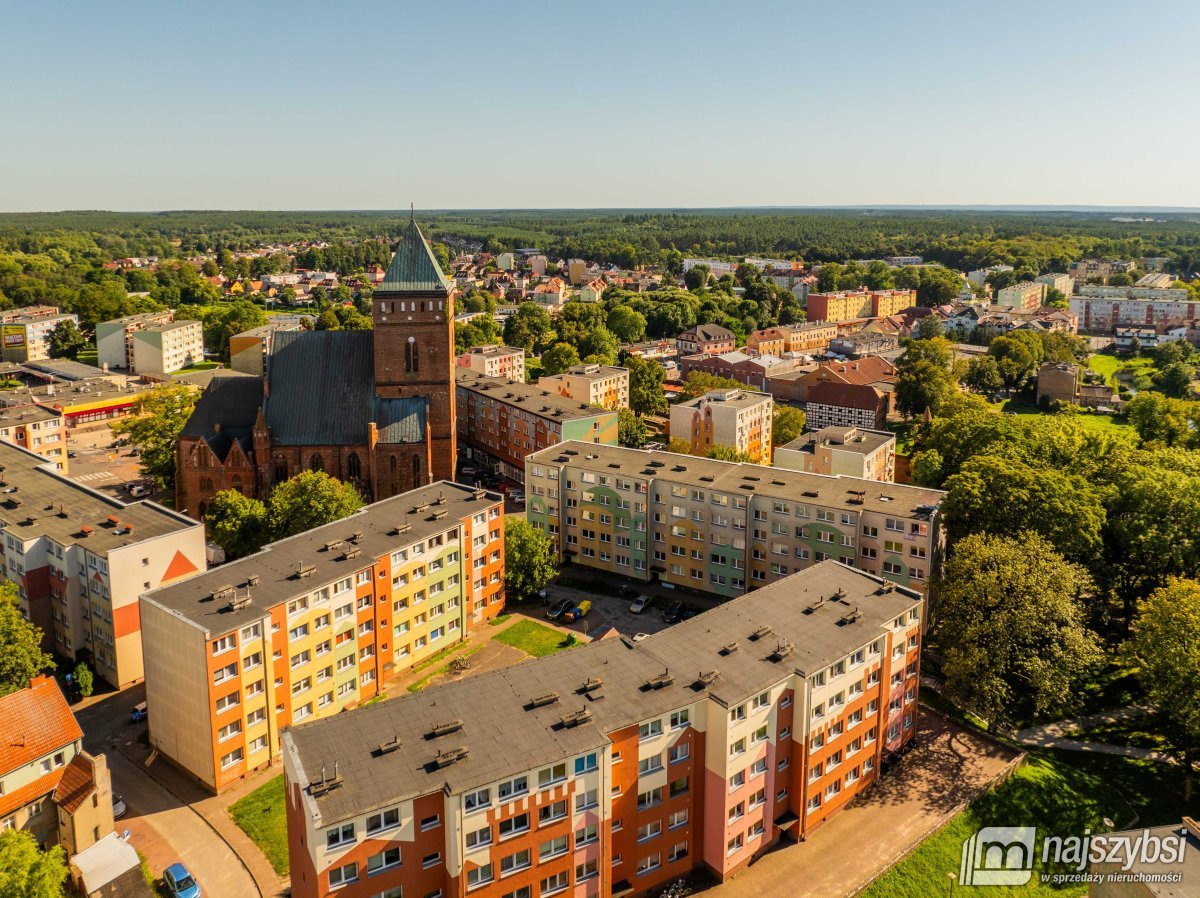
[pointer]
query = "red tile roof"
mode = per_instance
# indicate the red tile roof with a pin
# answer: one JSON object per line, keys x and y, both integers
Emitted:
{"x": 861, "y": 396}
{"x": 37, "y": 721}
{"x": 76, "y": 785}
{"x": 39, "y": 788}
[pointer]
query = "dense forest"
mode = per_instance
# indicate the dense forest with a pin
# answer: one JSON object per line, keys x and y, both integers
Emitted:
{"x": 959, "y": 239}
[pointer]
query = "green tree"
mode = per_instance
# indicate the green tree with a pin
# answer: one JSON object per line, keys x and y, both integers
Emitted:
{"x": 983, "y": 375}
{"x": 679, "y": 445}
{"x": 1014, "y": 360}
{"x": 696, "y": 277}
{"x": 558, "y": 358}
{"x": 481, "y": 331}
{"x": 929, "y": 327}
{"x": 879, "y": 276}
{"x": 631, "y": 429}
{"x": 157, "y": 419}
{"x": 22, "y": 658}
{"x": 1175, "y": 380}
{"x": 787, "y": 423}
{"x": 1008, "y": 619}
{"x": 529, "y": 327}
{"x": 599, "y": 346}
{"x": 728, "y": 453}
{"x": 66, "y": 340}
{"x": 1162, "y": 419}
{"x": 308, "y": 500}
{"x": 327, "y": 321}
{"x": 1166, "y": 648}
{"x": 227, "y": 321}
{"x": 926, "y": 468}
{"x": 937, "y": 350}
{"x": 530, "y": 561}
{"x": 922, "y": 386}
{"x": 629, "y": 325}
{"x": 237, "y": 523}
{"x": 1056, "y": 299}
{"x": 84, "y": 681}
{"x": 646, "y": 379}
{"x": 26, "y": 871}
{"x": 697, "y": 383}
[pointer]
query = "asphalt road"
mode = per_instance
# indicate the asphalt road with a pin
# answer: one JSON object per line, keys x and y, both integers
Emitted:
{"x": 106, "y": 728}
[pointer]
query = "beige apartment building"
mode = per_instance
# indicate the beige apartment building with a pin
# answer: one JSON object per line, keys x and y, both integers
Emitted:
{"x": 606, "y": 386}
{"x": 314, "y": 624}
{"x": 842, "y": 451}
{"x": 737, "y": 419}
{"x": 25, "y": 337}
{"x": 495, "y": 361}
{"x": 1063, "y": 283}
{"x": 801, "y": 338}
{"x": 725, "y": 527}
{"x": 1025, "y": 295}
{"x": 80, "y": 560}
{"x": 848, "y": 305}
{"x": 619, "y": 766}
{"x": 163, "y": 348}
{"x": 38, "y": 429}
{"x": 114, "y": 339}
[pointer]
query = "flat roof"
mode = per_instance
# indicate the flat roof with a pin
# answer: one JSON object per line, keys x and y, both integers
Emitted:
{"x": 64, "y": 369}
{"x": 848, "y": 439}
{"x": 168, "y": 326}
{"x": 22, "y": 414}
{"x": 739, "y": 398}
{"x": 90, "y": 390}
{"x": 504, "y": 733}
{"x": 427, "y": 511}
{"x": 527, "y": 397}
{"x": 832, "y": 490}
{"x": 35, "y": 501}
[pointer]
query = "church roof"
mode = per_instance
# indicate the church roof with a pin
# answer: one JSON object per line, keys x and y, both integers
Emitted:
{"x": 414, "y": 268}
{"x": 400, "y": 420}
{"x": 321, "y": 386}
{"x": 233, "y": 404}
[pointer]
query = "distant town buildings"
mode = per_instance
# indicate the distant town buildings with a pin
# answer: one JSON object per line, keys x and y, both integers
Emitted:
{"x": 735, "y": 419}
{"x": 604, "y": 386}
{"x": 641, "y": 514}
{"x": 114, "y": 339}
{"x": 1087, "y": 270}
{"x": 616, "y": 767}
{"x": 314, "y": 624}
{"x": 1024, "y": 295}
{"x": 1063, "y": 283}
{"x": 978, "y": 277}
{"x": 753, "y": 369}
{"x": 24, "y": 333}
{"x": 501, "y": 421}
{"x": 842, "y": 451}
{"x": 1101, "y": 314}
{"x": 705, "y": 338}
{"x": 797, "y": 338}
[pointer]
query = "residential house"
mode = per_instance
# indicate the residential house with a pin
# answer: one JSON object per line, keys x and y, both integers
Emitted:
{"x": 705, "y": 338}
{"x": 830, "y": 403}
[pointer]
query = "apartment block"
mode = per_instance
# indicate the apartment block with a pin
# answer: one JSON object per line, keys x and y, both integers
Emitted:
{"x": 801, "y": 338}
{"x": 501, "y": 421}
{"x": 706, "y": 338}
{"x": 114, "y": 339}
{"x": 752, "y": 369}
{"x": 1102, "y": 269}
{"x": 978, "y": 277}
{"x": 1101, "y": 314}
{"x": 507, "y": 362}
{"x": 314, "y": 624}
{"x": 80, "y": 559}
{"x": 618, "y": 766}
{"x": 38, "y": 429}
{"x": 1063, "y": 283}
{"x": 605, "y": 386}
{"x": 725, "y": 527}
{"x": 736, "y": 419}
{"x": 843, "y": 451}
{"x": 249, "y": 350}
{"x": 834, "y": 307}
{"x": 49, "y": 786}
{"x": 24, "y": 338}
{"x": 1025, "y": 295}
{"x": 163, "y": 348}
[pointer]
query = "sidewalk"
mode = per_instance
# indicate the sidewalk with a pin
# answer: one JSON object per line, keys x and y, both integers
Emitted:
{"x": 1055, "y": 735}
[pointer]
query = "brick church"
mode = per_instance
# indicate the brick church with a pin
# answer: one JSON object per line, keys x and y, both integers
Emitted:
{"x": 373, "y": 408}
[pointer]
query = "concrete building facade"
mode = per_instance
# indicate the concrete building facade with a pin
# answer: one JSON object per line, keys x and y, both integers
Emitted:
{"x": 507, "y": 362}
{"x": 725, "y": 527}
{"x": 846, "y": 306}
{"x": 842, "y": 452}
{"x": 605, "y": 386}
{"x": 114, "y": 339}
{"x": 160, "y": 349}
{"x": 737, "y": 419}
{"x": 615, "y": 767}
{"x": 314, "y": 624}
{"x": 1025, "y": 295}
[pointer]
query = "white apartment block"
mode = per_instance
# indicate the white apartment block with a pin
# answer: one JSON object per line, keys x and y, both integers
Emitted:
{"x": 163, "y": 348}
{"x": 495, "y": 361}
{"x": 114, "y": 339}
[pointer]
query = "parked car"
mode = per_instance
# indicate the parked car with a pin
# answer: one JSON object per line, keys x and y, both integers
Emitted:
{"x": 138, "y": 491}
{"x": 71, "y": 453}
{"x": 640, "y": 604}
{"x": 517, "y": 496}
{"x": 558, "y": 609}
{"x": 674, "y": 612}
{"x": 689, "y": 611}
{"x": 579, "y": 612}
{"x": 179, "y": 882}
{"x": 138, "y": 714}
{"x": 119, "y": 808}
{"x": 626, "y": 591}
{"x": 638, "y": 637}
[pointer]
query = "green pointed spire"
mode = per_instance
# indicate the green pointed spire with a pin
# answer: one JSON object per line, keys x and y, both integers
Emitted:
{"x": 414, "y": 268}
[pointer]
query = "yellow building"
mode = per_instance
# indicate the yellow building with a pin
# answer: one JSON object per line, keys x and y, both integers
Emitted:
{"x": 606, "y": 386}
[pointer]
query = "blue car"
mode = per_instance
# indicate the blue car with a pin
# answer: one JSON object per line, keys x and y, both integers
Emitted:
{"x": 179, "y": 882}
{"x": 138, "y": 714}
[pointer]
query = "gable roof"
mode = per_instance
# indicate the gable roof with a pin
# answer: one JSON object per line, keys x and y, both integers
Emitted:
{"x": 321, "y": 384}
{"x": 77, "y": 783}
{"x": 708, "y": 332}
{"x": 413, "y": 268}
{"x": 230, "y": 403}
{"x": 862, "y": 396}
{"x": 37, "y": 721}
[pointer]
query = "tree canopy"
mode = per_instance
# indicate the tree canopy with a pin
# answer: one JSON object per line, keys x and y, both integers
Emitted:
{"x": 154, "y": 426}
{"x": 530, "y": 561}
{"x": 22, "y": 658}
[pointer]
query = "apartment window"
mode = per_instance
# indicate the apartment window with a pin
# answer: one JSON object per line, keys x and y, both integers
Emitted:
{"x": 649, "y": 864}
{"x": 517, "y": 861}
{"x": 510, "y": 788}
{"x": 551, "y": 775}
{"x": 344, "y": 875}
{"x": 759, "y": 735}
{"x": 585, "y": 800}
{"x": 229, "y": 731}
{"x": 679, "y": 719}
{"x": 389, "y": 857}
{"x": 650, "y": 730}
{"x": 761, "y": 701}
{"x": 649, "y": 799}
{"x": 586, "y": 870}
{"x": 586, "y": 835}
{"x": 433, "y": 822}
{"x": 224, "y": 673}
{"x": 738, "y": 747}
{"x": 678, "y": 819}
{"x": 479, "y": 837}
{"x": 513, "y": 825}
{"x": 679, "y": 787}
{"x": 649, "y": 830}
{"x": 734, "y": 845}
{"x": 679, "y": 752}
{"x": 431, "y": 860}
{"x": 232, "y": 758}
{"x": 650, "y": 764}
{"x": 227, "y": 701}
{"x": 339, "y": 835}
{"x": 473, "y": 801}
{"x": 224, "y": 644}
{"x": 556, "y": 883}
{"x": 480, "y": 876}
{"x": 738, "y": 713}
{"x": 384, "y": 820}
{"x": 555, "y": 811}
{"x": 586, "y": 764}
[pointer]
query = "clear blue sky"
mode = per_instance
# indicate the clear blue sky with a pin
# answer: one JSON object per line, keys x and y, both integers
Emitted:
{"x": 365, "y": 105}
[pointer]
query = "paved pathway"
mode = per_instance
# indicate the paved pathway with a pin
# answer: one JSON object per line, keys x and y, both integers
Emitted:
{"x": 1057, "y": 735}
{"x": 932, "y": 784}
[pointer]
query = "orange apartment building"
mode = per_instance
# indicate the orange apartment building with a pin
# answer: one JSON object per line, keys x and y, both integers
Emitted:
{"x": 859, "y": 304}
{"x": 616, "y": 767}
{"x": 314, "y": 624}
{"x": 801, "y": 338}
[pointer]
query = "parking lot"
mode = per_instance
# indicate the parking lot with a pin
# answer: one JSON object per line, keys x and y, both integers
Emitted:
{"x": 100, "y": 465}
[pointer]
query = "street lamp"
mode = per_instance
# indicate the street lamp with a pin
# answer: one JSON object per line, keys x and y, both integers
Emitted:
{"x": 952, "y": 876}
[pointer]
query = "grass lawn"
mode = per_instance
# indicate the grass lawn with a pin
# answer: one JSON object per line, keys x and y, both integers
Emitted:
{"x": 444, "y": 669}
{"x": 1139, "y": 732}
{"x": 1062, "y": 793}
{"x": 1106, "y": 364}
{"x": 499, "y": 619}
{"x": 533, "y": 369}
{"x": 1089, "y": 420}
{"x": 199, "y": 366}
{"x": 535, "y": 639}
{"x": 260, "y": 815}
{"x": 88, "y": 356}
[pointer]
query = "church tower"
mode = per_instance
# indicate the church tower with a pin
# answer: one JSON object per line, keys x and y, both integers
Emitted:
{"x": 413, "y": 312}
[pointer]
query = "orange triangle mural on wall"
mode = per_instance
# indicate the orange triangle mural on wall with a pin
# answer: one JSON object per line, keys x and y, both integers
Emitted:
{"x": 179, "y": 567}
